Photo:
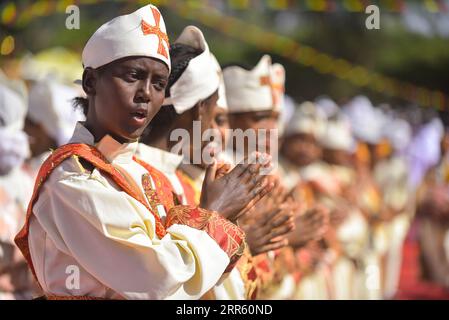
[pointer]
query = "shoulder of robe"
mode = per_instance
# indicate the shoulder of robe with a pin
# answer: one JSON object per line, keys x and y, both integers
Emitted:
{"x": 73, "y": 168}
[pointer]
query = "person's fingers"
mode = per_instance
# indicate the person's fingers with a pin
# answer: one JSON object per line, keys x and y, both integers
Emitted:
{"x": 282, "y": 230}
{"x": 255, "y": 180}
{"x": 240, "y": 168}
{"x": 222, "y": 169}
{"x": 280, "y": 219}
{"x": 273, "y": 246}
{"x": 211, "y": 171}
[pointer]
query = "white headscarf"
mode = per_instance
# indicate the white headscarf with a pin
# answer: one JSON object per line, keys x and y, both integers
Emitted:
{"x": 221, "y": 102}
{"x": 367, "y": 121}
{"x": 249, "y": 90}
{"x": 50, "y": 105}
{"x": 14, "y": 146}
{"x": 141, "y": 33}
{"x": 307, "y": 119}
{"x": 338, "y": 135}
{"x": 199, "y": 80}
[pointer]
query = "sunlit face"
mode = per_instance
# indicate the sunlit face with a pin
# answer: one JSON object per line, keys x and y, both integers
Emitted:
{"x": 124, "y": 96}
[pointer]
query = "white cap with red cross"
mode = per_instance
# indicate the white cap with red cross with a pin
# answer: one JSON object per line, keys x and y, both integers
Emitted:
{"x": 141, "y": 33}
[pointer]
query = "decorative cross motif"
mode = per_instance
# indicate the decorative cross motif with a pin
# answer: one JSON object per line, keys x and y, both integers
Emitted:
{"x": 156, "y": 30}
{"x": 276, "y": 88}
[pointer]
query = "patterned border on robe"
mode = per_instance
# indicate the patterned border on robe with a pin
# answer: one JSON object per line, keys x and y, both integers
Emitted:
{"x": 96, "y": 158}
{"x": 228, "y": 236}
{"x": 249, "y": 275}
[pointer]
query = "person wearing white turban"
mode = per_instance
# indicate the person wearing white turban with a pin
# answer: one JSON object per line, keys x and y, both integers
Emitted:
{"x": 15, "y": 191}
{"x": 254, "y": 98}
{"x": 391, "y": 174}
{"x": 96, "y": 229}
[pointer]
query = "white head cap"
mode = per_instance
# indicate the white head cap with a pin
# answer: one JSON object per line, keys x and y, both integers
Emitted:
{"x": 199, "y": 80}
{"x": 278, "y": 85}
{"x": 338, "y": 135}
{"x": 367, "y": 121}
{"x": 12, "y": 109}
{"x": 14, "y": 146}
{"x": 50, "y": 105}
{"x": 399, "y": 133}
{"x": 249, "y": 90}
{"x": 327, "y": 105}
{"x": 307, "y": 119}
{"x": 222, "y": 102}
{"x": 141, "y": 33}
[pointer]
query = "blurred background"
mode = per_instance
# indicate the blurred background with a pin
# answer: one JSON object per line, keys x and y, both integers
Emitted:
{"x": 398, "y": 74}
{"x": 323, "y": 44}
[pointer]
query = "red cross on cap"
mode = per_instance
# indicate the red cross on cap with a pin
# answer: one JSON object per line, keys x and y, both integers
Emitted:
{"x": 156, "y": 30}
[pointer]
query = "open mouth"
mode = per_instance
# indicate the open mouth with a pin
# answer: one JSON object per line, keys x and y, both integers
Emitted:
{"x": 140, "y": 114}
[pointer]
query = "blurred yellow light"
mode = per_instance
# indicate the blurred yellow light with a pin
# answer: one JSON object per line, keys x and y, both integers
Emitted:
{"x": 316, "y": 5}
{"x": 431, "y": 5}
{"x": 278, "y": 4}
{"x": 7, "y": 46}
{"x": 39, "y": 8}
{"x": 63, "y": 4}
{"x": 9, "y": 13}
{"x": 239, "y": 4}
{"x": 353, "y": 5}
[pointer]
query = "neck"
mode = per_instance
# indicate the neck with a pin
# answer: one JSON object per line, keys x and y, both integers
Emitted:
{"x": 99, "y": 133}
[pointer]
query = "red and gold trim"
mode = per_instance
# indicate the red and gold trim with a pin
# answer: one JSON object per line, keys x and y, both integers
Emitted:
{"x": 93, "y": 156}
{"x": 228, "y": 236}
{"x": 248, "y": 273}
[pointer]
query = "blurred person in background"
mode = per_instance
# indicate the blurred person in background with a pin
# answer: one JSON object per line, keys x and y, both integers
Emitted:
{"x": 51, "y": 118}
{"x": 16, "y": 188}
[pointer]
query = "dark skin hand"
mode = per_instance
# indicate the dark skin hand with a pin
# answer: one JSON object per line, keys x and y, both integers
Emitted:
{"x": 124, "y": 96}
{"x": 269, "y": 230}
{"x": 268, "y": 223}
{"x": 232, "y": 192}
{"x": 311, "y": 225}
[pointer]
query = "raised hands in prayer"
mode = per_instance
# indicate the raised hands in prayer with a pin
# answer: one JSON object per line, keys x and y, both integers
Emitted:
{"x": 230, "y": 193}
{"x": 310, "y": 225}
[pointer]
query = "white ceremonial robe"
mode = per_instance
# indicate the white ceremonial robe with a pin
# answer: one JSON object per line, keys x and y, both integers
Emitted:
{"x": 88, "y": 237}
{"x": 232, "y": 287}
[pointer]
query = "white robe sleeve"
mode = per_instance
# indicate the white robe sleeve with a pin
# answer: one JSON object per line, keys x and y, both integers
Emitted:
{"x": 112, "y": 238}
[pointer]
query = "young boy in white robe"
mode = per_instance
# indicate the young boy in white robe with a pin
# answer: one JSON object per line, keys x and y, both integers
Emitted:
{"x": 94, "y": 227}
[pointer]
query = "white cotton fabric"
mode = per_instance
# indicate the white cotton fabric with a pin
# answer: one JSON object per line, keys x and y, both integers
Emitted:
{"x": 246, "y": 90}
{"x": 338, "y": 135}
{"x": 199, "y": 80}
{"x": 14, "y": 145}
{"x": 221, "y": 102}
{"x": 123, "y": 37}
{"x": 307, "y": 119}
{"x": 367, "y": 122}
{"x": 50, "y": 105}
{"x": 83, "y": 220}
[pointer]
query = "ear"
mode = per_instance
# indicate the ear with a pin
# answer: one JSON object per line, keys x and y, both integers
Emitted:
{"x": 89, "y": 80}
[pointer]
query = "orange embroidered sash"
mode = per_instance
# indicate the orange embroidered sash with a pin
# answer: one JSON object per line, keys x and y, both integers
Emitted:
{"x": 93, "y": 156}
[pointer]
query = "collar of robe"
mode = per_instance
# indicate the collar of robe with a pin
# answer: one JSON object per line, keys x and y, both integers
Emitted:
{"x": 164, "y": 160}
{"x": 114, "y": 151}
